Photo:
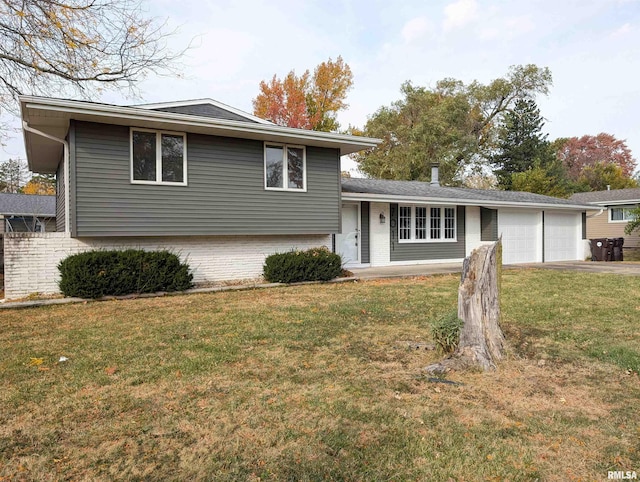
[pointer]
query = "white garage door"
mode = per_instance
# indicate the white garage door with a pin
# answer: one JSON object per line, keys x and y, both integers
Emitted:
{"x": 561, "y": 236}
{"x": 520, "y": 236}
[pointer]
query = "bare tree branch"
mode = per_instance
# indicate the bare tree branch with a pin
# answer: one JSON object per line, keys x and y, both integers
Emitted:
{"x": 71, "y": 47}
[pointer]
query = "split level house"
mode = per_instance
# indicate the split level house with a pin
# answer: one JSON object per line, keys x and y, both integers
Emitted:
{"x": 224, "y": 189}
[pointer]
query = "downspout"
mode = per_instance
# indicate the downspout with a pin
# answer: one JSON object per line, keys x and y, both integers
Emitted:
{"x": 597, "y": 214}
{"x": 65, "y": 160}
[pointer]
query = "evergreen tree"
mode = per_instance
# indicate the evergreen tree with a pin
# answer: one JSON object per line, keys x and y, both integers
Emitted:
{"x": 521, "y": 143}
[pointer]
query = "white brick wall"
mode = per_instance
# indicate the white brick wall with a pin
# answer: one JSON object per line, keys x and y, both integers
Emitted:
{"x": 472, "y": 229}
{"x": 31, "y": 259}
{"x": 380, "y": 251}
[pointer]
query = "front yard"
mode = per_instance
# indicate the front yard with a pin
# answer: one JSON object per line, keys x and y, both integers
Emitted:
{"x": 318, "y": 382}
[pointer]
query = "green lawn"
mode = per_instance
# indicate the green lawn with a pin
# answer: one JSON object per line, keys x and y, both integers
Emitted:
{"x": 317, "y": 382}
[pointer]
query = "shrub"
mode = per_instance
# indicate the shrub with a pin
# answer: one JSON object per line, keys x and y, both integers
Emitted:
{"x": 446, "y": 331}
{"x": 94, "y": 274}
{"x": 315, "y": 264}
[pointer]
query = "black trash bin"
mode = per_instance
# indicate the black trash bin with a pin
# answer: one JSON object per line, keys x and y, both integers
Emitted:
{"x": 617, "y": 249}
{"x": 610, "y": 246}
{"x": 599, "y": 248}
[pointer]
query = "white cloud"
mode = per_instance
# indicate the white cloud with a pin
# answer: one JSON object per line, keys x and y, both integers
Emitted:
{"x": 415, "y": 28}
{"x": 507, "y": 28}
{"x": 459, "y": 14}
{"x": 622, "y": 31}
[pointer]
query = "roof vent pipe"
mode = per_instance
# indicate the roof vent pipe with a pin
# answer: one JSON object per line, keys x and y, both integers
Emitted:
{"x": 435, "y": 175}
{"x": 608, "y": 187}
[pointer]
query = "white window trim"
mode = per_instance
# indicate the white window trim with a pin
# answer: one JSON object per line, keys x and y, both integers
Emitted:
{"x": 629, "y": 207}
{"x": 285, "y": 165}
{"x": 442, "y": 239}
{"x": 159, "y": 180}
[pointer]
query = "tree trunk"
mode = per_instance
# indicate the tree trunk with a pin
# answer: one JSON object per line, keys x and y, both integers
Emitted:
{"x": 481, "y": 339}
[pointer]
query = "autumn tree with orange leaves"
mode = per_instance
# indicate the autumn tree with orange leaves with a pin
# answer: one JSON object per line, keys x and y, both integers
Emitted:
{"x": 306, "y": 101}
{"x": 577, "y": 154}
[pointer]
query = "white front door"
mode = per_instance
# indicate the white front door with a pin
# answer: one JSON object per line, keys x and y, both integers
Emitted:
{"x": 347, "y": 243}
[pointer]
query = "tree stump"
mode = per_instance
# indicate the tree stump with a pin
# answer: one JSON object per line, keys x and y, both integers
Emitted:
{"x": 481, "y": 339}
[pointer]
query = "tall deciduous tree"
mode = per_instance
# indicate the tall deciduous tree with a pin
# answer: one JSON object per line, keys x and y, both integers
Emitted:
{"x": 306, "y": 101}
{"x": 13, "y": 175}
{"x": 73, "y": 46}
{"x": 454, "y": 124}
{"x": 40, "y": 184}
{"x": 578, "y": 153}
{"x": 601, "y": 176}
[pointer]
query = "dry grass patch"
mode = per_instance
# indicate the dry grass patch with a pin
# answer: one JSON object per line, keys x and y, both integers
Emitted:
{"x": 315, "y": 383}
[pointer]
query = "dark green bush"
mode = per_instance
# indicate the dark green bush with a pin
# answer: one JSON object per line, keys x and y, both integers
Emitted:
{"x": 112, "y": 273}
{"x": 446, "y": 331}
{"x": 315, "y": 264}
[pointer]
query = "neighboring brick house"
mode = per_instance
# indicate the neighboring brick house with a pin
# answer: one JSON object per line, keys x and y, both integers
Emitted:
{"x": 611, "y": 214}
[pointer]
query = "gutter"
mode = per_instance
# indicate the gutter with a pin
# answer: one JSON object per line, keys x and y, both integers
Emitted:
{"x": 602, "y": 209}
{"x": 141, "y": 114}
{"x": 28, "y": 128}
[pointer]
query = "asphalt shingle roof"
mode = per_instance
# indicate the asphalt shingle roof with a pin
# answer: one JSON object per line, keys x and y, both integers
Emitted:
{"x": 615, "y": 195}
{"x": 424, "y": 189}
{"x": 27, "y": 205}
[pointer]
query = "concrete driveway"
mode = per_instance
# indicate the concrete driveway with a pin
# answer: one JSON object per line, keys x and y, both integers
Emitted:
{"x": 631, "y": 269}
{"x": 617, "y": 267}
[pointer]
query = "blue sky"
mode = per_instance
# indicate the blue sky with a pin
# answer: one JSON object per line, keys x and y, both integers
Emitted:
{"x": 591, "y": 46}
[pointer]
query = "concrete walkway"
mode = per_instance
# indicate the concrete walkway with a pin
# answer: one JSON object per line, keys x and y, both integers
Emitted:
{"x": 406, "y": 271}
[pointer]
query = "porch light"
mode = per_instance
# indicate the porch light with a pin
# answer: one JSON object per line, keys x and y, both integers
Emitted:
{"x": 382, "y": 218}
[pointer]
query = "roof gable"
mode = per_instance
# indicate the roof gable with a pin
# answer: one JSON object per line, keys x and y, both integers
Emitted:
{"x": 205, "y": 108}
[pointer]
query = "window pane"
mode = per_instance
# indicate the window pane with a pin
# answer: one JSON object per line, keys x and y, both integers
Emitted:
{"x": 435, "y": 223}
{"x": 296, "y": 167}
{"x": 172, "y": 158}
{"x": 144, "y": 156}
{"x": 421, "y": 223}
{"x": 449, "y": 223}
{"x": 617, "y": 214}
{"x": 274, "y": 166}
{"x": 404, "y": 222}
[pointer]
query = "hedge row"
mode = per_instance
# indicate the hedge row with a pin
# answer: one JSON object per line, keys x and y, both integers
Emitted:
{"x": 94, "y": 274}
{"x": 315, "y": 264}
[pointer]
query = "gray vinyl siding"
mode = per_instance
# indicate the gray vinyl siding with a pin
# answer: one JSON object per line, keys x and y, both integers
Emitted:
{"x": 488, "y": 224}
{"x": 225, "y": 194}
{"x": 427, "y": 250}
{"x": 364, "y": 232}
{"x": 207, "y": 110}
{"x": 60, "y": 190}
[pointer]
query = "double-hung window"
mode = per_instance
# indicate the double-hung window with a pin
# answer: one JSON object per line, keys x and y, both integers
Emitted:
{"x": 421, "y": 224}
{"x": 158, "y": 157}
{"x": 285, "y": 167}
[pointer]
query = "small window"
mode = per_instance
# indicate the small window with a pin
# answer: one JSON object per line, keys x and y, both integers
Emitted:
{"x": 420, "y": 224}
{"x": 621, "y": 214}
{"x": 449, "y": 223}
{"x": 285, "y": 167}
{"x": 158, "y": 157}
{"x": 405, "y": 222}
